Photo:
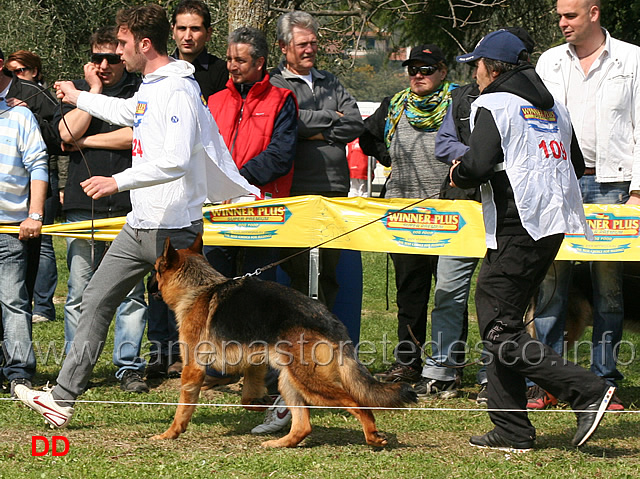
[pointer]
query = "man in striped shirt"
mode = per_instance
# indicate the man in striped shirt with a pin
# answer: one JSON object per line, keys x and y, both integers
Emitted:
{"x": 23, "y": 189}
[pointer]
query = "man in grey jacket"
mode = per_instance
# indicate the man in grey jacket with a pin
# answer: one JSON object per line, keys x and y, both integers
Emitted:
{"x": 328, "y": 119}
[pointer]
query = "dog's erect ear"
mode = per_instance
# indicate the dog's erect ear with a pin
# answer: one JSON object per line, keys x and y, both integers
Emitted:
{"x": 170, "y": 255}
{"x": 196, "y": 247}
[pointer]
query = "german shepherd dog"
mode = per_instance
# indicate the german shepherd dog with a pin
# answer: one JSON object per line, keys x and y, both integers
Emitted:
{"x": 244, "y": 325}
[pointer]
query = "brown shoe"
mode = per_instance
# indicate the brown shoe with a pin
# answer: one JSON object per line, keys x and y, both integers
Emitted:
{"x": 215, "y": 381}
{"x": 399, "y": 373}
{"x": 175, "y": 370}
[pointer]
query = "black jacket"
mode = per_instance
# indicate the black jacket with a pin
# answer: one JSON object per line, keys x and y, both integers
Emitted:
{"x": 43, "y": 105}
{"x": 101, "y": 162}
{"x": 211, "y": 72}
{"x": 478, "y": 163}
{"x": 372, "y": 139}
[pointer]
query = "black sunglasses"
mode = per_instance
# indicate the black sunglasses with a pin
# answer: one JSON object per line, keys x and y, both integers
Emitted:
{"x": 20, "y": 70}
{"x": 112, "y": 58}
{"x": 424, "y": 70}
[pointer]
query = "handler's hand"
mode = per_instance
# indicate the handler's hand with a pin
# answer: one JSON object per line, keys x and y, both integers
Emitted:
{"x": 634, "y": 199}
{"x": 67, "y": 92}
{"x": 29, "y": 229}
{"x": 453, "y": 165}
{"x": 316, "y": 137}
{"x": 15, "y": 102}
{"x": 99, "y": 186}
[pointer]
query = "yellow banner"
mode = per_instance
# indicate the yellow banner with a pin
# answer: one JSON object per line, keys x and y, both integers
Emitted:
{"x": 441, "y": 227}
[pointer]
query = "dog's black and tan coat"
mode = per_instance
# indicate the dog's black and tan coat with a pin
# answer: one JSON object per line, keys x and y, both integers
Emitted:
{"x": 244, "y": 325}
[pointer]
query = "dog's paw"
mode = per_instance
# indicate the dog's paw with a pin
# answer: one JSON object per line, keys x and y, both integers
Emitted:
{"x": 377, "y": 439}
{"x": 270, "y": 444}
{"x": 164, "y": 435}
{"x": 273, "y": 444}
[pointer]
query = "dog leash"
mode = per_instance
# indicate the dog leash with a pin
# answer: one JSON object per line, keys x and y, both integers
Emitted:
{"x": 92, "y": 240}
{"x": 258, "y": 271}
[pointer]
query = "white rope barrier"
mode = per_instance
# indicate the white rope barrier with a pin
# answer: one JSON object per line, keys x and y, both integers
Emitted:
{"x": 265, "y": 406}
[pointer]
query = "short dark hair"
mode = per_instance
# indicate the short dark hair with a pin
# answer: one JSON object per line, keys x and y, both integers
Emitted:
{"x": 498, "y": 66}
{"x": 193, "y": 6}
{"x": 252, "y": 37}
{"x": 104, "y": 36}
{"x": 147, "y": 21}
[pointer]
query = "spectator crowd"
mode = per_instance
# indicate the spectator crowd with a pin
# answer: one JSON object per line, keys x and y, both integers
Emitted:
{"x": 286, "y": 130}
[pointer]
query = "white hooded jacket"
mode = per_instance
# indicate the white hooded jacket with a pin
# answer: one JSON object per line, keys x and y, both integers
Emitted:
{"x": 179, "y": 158}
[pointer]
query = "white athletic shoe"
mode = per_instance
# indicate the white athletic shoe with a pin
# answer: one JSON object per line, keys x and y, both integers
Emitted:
{"x": 43, "y": 403}
{"x": 276, "y": 418}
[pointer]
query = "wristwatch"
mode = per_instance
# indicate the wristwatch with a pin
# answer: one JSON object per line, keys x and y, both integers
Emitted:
{"x": 36, "y": 217}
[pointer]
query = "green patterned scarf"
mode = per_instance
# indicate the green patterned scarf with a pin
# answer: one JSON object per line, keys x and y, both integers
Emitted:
{"x": 423, "y": 112}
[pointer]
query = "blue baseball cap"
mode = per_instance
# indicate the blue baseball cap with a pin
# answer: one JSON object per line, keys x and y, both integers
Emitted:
{"x": 501, "y": 45}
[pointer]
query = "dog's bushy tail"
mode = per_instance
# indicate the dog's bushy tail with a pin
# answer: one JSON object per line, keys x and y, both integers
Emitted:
{"x": 368, "y": 392}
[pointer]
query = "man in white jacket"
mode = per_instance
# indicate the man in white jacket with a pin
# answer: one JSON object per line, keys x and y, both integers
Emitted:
{"x": 178, "y": 159}
{"x": 598, "y": 78}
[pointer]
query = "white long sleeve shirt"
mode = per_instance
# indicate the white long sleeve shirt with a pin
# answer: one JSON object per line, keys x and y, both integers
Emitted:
{"x": 178, "y": 156}
{"x": 617, "y": 105}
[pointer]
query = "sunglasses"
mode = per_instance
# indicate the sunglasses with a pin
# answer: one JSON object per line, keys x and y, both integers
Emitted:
{"x": 112, "y": 58}
{"x": 424, "y": 70}
{"x": 20, "y": 70}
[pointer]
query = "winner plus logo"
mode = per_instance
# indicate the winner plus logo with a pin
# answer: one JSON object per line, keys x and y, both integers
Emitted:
{"x": 425, "y": 226}
{"x": 607, "y": 226}
{"x": 612, "y": 234}
{"x": 424, "y": 221}
{"x": 252, "y": 218}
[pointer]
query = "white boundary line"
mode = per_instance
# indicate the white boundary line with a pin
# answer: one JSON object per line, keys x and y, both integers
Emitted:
{"x": 150, "y": 403}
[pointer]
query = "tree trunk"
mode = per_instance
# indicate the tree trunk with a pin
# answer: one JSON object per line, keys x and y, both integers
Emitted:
{"x": 248, "y": 13}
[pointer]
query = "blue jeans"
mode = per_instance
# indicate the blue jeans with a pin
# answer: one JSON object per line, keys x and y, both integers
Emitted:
{"x": 449, "y": 318}
{"x": 131, "y": 315}
{"x": 606, "y": 280}
{"x": 20, "y": 361}
{"x": 162, "y": 332}
{"x": 47, "y": 278}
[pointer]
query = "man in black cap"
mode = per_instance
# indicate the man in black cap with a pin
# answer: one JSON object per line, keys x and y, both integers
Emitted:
{"x": 401, "y": 133}
{"x": 523, "y": 154}
{"x": 449, "y": 318}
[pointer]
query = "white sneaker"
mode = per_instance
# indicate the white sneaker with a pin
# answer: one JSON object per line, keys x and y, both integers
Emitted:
{"x": 43, "y": 403}
{"x": 38, "y": 318}
{"x": 275, "y": 419}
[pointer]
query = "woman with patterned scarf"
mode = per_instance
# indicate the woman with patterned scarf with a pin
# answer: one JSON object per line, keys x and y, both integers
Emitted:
{"x": 402, "y": 134}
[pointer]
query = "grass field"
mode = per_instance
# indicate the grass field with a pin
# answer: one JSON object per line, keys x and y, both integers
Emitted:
{"x": 109, "y": 434}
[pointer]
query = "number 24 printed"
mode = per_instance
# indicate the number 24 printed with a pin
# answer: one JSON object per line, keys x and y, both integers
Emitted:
{"x": 136, "y": 147}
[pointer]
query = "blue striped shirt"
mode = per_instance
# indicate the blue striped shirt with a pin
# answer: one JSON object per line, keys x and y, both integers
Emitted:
{"x": 23, "y": 157}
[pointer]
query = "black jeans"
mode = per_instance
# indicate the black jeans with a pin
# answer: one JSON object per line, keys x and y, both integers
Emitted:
{"x": 413, "y": 284}
{"x": 507, "y": 280}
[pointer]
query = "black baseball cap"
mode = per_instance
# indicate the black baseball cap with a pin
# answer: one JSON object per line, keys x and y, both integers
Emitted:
{"x": 428, "y": 54}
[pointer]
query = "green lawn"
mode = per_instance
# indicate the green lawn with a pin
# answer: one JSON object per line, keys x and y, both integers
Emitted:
{"x": 110, "y": 437}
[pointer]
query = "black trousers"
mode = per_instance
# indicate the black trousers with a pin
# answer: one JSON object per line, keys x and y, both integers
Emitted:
{"x": 507, "y": 280}
{"x": 413, "y": 284}
{"x": 298, "y": 270}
